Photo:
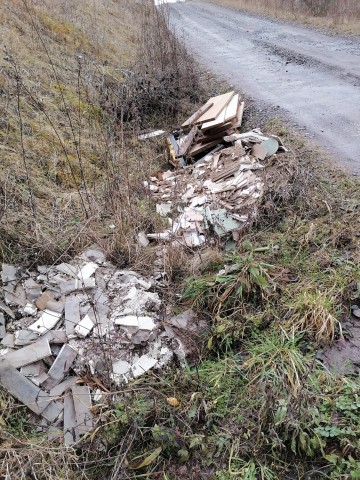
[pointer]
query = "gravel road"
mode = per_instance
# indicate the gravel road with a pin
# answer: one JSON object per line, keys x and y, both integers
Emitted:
{"x": 311, "y": 77}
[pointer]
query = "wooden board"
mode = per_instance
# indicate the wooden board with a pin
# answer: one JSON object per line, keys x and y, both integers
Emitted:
{"x": 219, "y": 103}
{"x": 239, "y": 115}
{"x": 186, "y": 144}
{"x": 191, "y": 120}
{"x": 232, "y": 108}
{"x": 198, "y": 148}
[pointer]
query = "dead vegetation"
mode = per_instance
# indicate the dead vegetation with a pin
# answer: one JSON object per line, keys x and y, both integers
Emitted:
{"x": 342, "y": 16}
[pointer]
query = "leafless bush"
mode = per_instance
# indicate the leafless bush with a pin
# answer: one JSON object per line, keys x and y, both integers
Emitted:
{"x": 163, "y": 78}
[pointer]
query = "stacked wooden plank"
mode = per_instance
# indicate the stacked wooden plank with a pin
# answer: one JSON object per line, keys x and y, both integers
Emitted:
{"x": 220, "y": 116}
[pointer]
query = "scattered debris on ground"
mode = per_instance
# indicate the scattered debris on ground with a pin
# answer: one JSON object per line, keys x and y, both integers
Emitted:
{"x": 69, "y": 329}
{"x": 218, "y": 190}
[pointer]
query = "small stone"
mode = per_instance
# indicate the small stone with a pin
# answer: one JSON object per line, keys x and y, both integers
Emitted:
{"x": 356, "y": 312}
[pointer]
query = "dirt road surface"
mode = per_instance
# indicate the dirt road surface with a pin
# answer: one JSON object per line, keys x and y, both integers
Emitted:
{"x": 311, "y": 77}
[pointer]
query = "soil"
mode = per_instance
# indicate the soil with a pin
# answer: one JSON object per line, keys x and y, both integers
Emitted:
{"x": 310, "y": 77}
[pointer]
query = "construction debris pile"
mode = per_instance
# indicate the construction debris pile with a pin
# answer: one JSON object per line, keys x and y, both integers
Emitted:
{"x": 217, "y": 193}
{"x": 66, "y": 330}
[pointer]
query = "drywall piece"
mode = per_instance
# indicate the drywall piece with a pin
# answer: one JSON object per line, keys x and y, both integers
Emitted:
{"x": 43, "y": 300}
{"x": 2, "y": 326}
{"x": 146, "y": 323}
{"x": 72, "y": 314}
{"x": 8, "y": 340}
{"x": 84, "y": 327}
{"x": 54, "y": 410}
{"x": 26, "y": 337}
{"x": 6, "y": 309}
{"x": 128, "y": 321}
{"x": 82, "y": 404}
{"x": 87, "y": 270}
{"x": 259, "y": 152}
{"x": 222, "y": 221}
{"x": 56, "y": 336}
{"x": 46, "y": 322}
{"x": 67, "y": 269}
{"x": 142, "y": 365}
{"x": 63, "y": 386}
{"x": 30, "y": 354}
{"x": 31, "y": 370}
{"x": 121, "y": 367}
{"x": 60, "y": 367}
{"x": 22, "y": 388}
{"x": 76, "y": 284}
{"x": 8, "y": 273}
{"x": 71, "y": 435}
{"x": 30, "y": 309}
{"x": 271, "y": 145}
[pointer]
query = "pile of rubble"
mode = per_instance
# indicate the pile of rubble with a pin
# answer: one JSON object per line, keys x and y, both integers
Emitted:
{"x": 217, "y": 193}
{"x": 68, "y": 329}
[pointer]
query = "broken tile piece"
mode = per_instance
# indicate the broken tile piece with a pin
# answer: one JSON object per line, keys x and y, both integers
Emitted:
{"x": 46, "y": 322}
{"x": 82, "y": 404}
{"x": 67, "y": 269}
{"x": 30, "y": 354}
{"x": 84, "y": 327}
{"x": 142, "y": 365}
{"x": 8, "y": 340}
{"x": 31, "y": 370}
{"x": 128, "y": 321}
{"x": 60, "y": 367}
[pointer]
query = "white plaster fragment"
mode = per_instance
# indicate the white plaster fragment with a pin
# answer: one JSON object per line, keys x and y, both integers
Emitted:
{"x": 142, "y": 365}
{"x": 87, "y": 270}
{"x": 146, "y": 323}
{"x": 128, "y": 321}
{"x": 30, "y": 309}
{"x": 84, "y": 327}
{"x": 121, "y": 367}
{"x": 46, "y": 322}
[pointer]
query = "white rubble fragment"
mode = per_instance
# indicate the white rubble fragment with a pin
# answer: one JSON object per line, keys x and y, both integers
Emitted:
{"x": 128, "y": 321}
{"x": 121, "y": 367}
{"x": 84, "y": 327}
{"x": 142, "y": 239}
{"x": 142, "y": 365}
{"x": 30, "y": 309}
{"x": 163, "y": 209}
{"x": 146, "y": 323}
{"x": 87, "y": 270}
{"x": 46, "y": 322}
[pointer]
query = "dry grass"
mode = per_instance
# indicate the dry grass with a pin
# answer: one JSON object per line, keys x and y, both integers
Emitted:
{"x": 340, "y": 15}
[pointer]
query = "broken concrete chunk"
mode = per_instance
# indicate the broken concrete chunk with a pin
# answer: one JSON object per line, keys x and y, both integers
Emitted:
{"x": 82, "y": 404}
{"x": 46, "y": 322}
{"x": 30, "y": 354}
{"x": 142, "y": 365}
{"x": 84, "y": 327}
{"x": 60, "y": 367}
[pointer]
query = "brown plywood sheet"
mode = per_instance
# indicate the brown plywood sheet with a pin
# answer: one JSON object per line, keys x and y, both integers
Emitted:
{"x": 219, "y": 103}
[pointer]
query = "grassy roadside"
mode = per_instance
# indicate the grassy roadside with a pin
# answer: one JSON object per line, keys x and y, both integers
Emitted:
{"x": 337, "y": 16}
{"x": 258, "y": 404}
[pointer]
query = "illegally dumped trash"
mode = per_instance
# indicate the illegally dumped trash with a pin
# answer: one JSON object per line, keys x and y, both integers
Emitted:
{"x": 72, "y": 328}
{"x": 218, "y": 189}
